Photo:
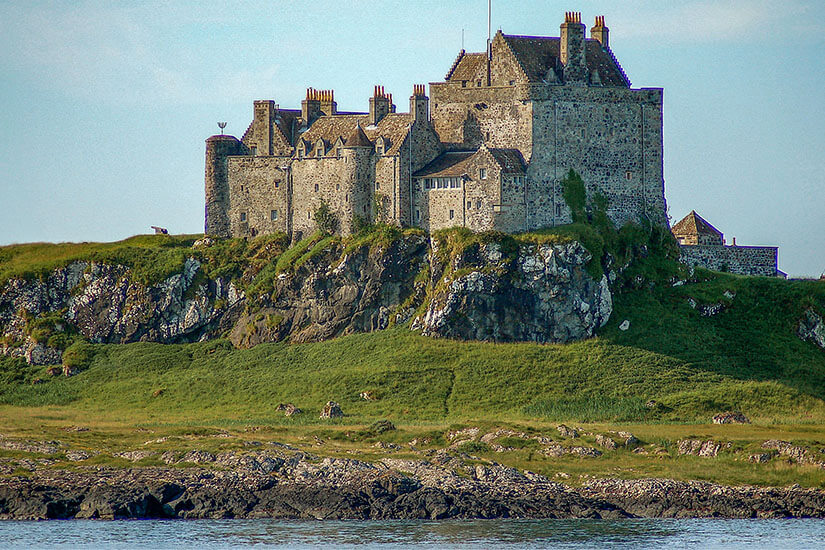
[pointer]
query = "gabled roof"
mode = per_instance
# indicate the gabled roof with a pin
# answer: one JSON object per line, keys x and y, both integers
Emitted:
{"x": 446, "y": 165}
{"x": 455, "y": 163}
{"x": 694, "y": 224}
{"x": 358, "y": 138}
{"x": 394, "y": 126}
{"x": 510, "y": 160}
{"x": 537, "y": 55}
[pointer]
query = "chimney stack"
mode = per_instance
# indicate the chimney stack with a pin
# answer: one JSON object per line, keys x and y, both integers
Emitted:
{"x": 419, "y": 104}
{"x": 328, "y": 105}
{"x": 572, "y": 49}
{"x": 379, "y": 105}
{"x": 311, "y": 106}
{"x": 600, "y": 32}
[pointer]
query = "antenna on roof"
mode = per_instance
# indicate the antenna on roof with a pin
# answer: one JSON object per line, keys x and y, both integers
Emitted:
{"x": 221, "y": 125}
{"x": 462, "y": 39}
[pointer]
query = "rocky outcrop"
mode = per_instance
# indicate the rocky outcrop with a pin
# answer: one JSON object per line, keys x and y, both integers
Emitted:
{"x": 542, "y": 293}
{"x": 104, "y": 304}
{"x": 812, "y": 328}
{"x": 289, "y": 484}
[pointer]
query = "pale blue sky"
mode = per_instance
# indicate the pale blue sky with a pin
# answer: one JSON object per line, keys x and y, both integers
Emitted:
{"x": 106, "y": 105}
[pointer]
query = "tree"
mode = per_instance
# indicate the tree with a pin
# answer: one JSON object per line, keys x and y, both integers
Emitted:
{"x": 325, "y": 219}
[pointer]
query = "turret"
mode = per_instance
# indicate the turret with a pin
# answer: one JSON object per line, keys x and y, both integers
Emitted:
{"x": 216, "y": 183}
{"x": 419, "y": 104}
{"x": 311, "y": 106}
{"x": 379, "y": 105}
{"x": 572, "y": 49}
{"x": 600, "y": 32}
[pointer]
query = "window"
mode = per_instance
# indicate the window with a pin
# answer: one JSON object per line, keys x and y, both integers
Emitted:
{"x": 254, "y": 151}
{"x": 346, "y": 198}
{"x": 478, "y": 84}
{"x": 277, "y": 184}
{"x": 337, "y": 186}
{"x": 316, "y": 187}
{"x": 453, "y": 183}
{"x": 338, "y": 152}
{"x": 487, "y": 136}
{"x": 273, "y": 215}
{"x": 469, "y": 205}
{"x": 463, "y": 83}
{"x": 628, "y": 175}
{"x": 241, "y": 187}
{"x": 301, "y": 153}
{"x": 558, "y": 210}
{"x": 478, "y": 204}
{"x": 417, "y": 215}
{"x": 309, "y": 214}
{"x": 243, "y": 217}
{"x": 452, "y": 214}
{"x": 319, "y": 152}
{"x": 377, "y": 185}
{"x": 482, "y": 173}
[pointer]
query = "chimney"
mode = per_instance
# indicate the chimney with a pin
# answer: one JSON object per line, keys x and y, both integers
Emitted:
{"x": 311, "y": 106}
{"x": 419, "y": 104}
{"x": 328, "y": 105}
{"x": 379, "y": 105}
{"x": 572, "y": 49}
{"x": 600, "y": 32}
{"x": 263, "y": 117}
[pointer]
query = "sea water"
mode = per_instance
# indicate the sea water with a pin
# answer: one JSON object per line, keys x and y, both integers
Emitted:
{"x": 499, "y": 534}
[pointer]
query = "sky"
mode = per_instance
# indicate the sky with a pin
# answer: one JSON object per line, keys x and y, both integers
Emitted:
{"x": 106, "y": 105}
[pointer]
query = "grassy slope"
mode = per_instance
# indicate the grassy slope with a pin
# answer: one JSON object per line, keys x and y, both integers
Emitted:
{"x": 747, "y": 357}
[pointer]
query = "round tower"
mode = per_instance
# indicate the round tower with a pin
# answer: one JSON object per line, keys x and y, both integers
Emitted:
{"x": 216, "y": 183}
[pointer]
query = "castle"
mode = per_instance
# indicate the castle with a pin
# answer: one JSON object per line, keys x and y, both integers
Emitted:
{"x": 487, "y": 150}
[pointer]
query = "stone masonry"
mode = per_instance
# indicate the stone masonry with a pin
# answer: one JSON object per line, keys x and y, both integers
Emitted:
{"x": 486, "y": 150}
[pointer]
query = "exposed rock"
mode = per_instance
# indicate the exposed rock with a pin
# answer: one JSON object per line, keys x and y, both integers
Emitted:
{"x": 812, "y": 328}
{"x": 54, "y": 371}
{"x": 564, "y": 431}
{"x": 606, "y": 442}
{"x": 624, "y": 325}
{"x": 760, "y": 458}
{"x": 381, "y": 426}
{"x": 134, "y": 456}
{"x": 630, "y": 440}
{"x": 794, "y": 452}
{"x": 288, "y": 408}
{"x": 332, "y": 410}
{"x": 368, "y": 395}
{"x": 698, "y": 447}
{"x": 730, "y": 417}
{"x": 542, "y": 293}
{"x": 556, "y": 450}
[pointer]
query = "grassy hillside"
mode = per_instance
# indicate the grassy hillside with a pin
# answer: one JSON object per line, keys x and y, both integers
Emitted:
{"x": 746, "y": 357}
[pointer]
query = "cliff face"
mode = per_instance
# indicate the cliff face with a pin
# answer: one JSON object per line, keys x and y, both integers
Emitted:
{"x": 529, "y": 292}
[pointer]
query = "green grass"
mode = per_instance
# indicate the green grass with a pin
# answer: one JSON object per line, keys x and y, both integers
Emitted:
{"x": 748, "y": 357}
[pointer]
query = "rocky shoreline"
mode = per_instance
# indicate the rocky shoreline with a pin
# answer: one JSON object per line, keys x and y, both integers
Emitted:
{"x": 278, "y": 484}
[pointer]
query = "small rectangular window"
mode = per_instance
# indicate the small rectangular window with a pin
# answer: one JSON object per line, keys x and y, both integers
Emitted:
{"x": 482, "y": 173}
{"x": 628, "y": 175}
{"x": 469, "y": 205}
{"x": 309, "y": 214}
{"x": 338, "y": 152}
{"x": 417, "y": 215}
{"x": 452, "y": 214}
{"x": 316, "y": 187}
{"x": 558, "y": 210}
{"x": 478, "y": 204}
{"x": 377, "y": 185}
{"x": 273, "y": 215}
{"x": 243, "y": 216}
{"x": 277, "y": 184}
{"x": 254, "y": 151}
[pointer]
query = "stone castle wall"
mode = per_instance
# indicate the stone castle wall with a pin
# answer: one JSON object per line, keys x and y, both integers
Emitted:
{"x": 258, "y": 192}
{"x": 743, "y": 260}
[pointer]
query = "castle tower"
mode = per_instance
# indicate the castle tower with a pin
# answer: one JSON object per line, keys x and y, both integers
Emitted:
{"x": 599, "y": 32}
{"x": 419, "y": 104}
{"x": 572, "y": 49}
{"x": 216, "y": 183}
{"x": 379, "y": 105}
{"x": 311, "y": 107}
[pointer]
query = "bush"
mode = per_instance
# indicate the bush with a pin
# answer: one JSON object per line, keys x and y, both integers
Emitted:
{"x": 325, "y": 219}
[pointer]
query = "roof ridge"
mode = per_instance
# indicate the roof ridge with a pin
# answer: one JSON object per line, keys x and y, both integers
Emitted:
{"x": 518, "y": 61}
{"x": 455, "y": 63}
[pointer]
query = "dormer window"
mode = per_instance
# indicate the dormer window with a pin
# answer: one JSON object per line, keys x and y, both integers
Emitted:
{"x": 482, "y": 173}
{"x": 254, "y": 151}
{"x": 338, "y": 152}
{"x": 301, "y": 152}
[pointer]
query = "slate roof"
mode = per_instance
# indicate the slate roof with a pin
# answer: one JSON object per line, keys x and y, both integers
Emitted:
{"x": 694, "y": 224}
{"x": 394, "y": 126}
{"x": 454, "y": 163}
{"x": 446, "y": 165}
{"x": 358, "y": 138}
{"x": 539, "y": 54}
